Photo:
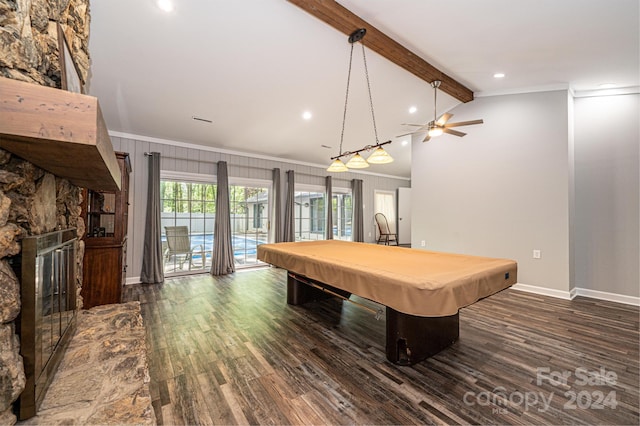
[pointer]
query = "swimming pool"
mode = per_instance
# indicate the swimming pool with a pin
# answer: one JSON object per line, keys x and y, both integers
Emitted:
{"x": 243, "y": 246}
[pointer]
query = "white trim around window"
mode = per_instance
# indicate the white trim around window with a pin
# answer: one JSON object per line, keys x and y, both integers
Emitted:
{"x": 187, "y": 177}
{"x": 305, "y": 187}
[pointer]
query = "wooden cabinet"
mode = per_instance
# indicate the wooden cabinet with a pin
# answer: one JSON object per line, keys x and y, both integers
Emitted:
{"x": 105, "y": 254}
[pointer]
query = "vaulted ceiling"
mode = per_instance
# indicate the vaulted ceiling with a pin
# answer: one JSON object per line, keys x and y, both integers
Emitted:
{"x": 253, "y": 67}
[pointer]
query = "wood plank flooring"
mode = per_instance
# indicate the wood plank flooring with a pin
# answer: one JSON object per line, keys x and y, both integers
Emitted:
{"x": 229, "y": 350}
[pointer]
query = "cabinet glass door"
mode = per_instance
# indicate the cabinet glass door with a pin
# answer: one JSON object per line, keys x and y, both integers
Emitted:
{"x": 101, "y": 210}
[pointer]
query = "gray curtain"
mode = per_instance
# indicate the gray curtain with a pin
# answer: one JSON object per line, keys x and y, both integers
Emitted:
{"x": 222, "y": 260}
{"x": 289, "y": 209}
{"x": 276, "y": 219}
{"x": 152, "y": 268}
{"x": 329, "y": 204}
{"x": 358, "y": 214}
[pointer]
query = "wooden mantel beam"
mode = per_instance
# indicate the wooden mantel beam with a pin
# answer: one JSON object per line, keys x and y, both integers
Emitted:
{"x": 61, "y": 132}
{"x": 346, "y": 21}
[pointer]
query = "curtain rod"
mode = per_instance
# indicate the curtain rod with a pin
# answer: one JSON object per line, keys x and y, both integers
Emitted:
{"x": 147, "y": 154}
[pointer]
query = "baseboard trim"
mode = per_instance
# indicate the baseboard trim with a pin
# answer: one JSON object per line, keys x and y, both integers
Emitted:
{"x": 585, "y": 292}
{"x": 560, "y": 294}
{"x": 611, "y": 297}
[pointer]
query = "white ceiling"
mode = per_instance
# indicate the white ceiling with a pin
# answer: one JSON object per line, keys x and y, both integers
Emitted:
{"x": 254, "y": 66}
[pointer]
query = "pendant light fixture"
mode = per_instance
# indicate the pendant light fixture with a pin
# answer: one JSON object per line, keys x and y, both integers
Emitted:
{"x": 379, "y": 155}
{"x": 337, "y": 166}
{"x": 357, "y": 162}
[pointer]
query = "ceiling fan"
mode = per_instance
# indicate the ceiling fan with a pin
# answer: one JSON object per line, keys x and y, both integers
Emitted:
{"x": 439, "y": 125}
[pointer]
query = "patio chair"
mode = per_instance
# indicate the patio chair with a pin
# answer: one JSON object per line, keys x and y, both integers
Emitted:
{"x": 386, "y": 236}
{"x": 179, "y": 246}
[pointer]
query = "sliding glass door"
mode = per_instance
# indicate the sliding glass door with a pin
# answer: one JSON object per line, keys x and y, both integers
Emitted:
{"x": 311, "y": 217}
{"x": 249, "y": 219}
{"x": 309, "y": 205}
{"x": 342, "y": 214}
{"x": 188, "y": 215}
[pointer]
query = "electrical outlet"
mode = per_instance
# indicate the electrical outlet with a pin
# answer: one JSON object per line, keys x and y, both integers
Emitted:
{"x": 423, "y": 243}
{"x": 537, "y": 254}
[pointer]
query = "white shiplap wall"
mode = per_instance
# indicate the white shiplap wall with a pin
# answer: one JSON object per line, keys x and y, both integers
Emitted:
{"x": 180, "y": 157}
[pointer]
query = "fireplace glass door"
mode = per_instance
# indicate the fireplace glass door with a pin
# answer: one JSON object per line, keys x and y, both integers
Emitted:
{"x": 46, "y": 266}
{"x": 52, "y": 272}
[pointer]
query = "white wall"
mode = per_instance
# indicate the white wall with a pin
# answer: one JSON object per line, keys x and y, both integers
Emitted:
{"x": 607, "y": 226}
{"x": 502, "y": 190}
{"x": 202, "y": 161}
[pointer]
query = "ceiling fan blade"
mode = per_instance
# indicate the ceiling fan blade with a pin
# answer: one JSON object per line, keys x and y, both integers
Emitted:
{"x": 464, "y": 123}
{"x": 410, "y": 124}
{"x": 405, "y": 134}
{"x": 426, "y": 138}
{"x": 415, "y": 132}
{"x": 444, "y": 118}
{"x": 453, "y": 132}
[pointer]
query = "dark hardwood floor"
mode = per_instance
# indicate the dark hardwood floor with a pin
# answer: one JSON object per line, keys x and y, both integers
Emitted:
{"x": 229, "y": 350}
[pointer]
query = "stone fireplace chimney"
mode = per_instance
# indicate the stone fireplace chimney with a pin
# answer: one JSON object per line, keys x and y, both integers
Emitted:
{"x": 33, "y": 201}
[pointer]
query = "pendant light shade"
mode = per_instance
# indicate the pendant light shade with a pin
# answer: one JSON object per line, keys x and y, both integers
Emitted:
{"x": 380, "y": 156}
{"x": 337, "y": 166}
{"x": 357, "y": 162}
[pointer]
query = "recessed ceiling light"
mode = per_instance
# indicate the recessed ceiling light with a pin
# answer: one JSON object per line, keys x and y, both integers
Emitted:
{"x": 166, "y": 5}
{"x": 606, "y": 85}
{"x": 413, "y": 110}
{"x": 498, "y": 75}
{"x": 405, "y": 142}
{"x": 307, "y": 115}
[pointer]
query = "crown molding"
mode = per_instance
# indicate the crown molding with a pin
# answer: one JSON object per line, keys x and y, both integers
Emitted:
{"x": 633, "y": 90}
{"x": 189, "y": 145}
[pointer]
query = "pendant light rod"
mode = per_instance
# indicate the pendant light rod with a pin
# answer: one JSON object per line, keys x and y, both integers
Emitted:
{"x": 366, "y": 148}
{"x": 379, "y": 156}
{"x": 366, "y": 73}
{"x": 352, "y": 39}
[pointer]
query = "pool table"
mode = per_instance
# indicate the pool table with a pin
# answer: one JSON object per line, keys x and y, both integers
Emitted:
{"x": 422, "y": 291}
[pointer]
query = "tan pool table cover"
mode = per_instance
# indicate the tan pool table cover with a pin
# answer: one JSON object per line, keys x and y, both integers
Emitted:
{"x": 416, "y": 282}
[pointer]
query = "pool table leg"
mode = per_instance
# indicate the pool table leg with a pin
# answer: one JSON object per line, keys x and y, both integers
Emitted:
{"x": 411, "y": 339}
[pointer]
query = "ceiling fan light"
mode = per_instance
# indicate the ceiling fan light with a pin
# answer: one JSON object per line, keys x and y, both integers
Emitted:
{"x": 337, "y": 166}
{"x": 435, "y": 131}
{"x": 357, "y": 162}
{"x": 380, "y": 156}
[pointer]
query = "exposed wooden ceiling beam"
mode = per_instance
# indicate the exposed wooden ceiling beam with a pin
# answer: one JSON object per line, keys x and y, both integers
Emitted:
{"x": 346, "y": 21}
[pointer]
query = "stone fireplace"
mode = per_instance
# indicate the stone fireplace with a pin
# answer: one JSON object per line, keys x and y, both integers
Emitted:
{"x": 32, "y": 201}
